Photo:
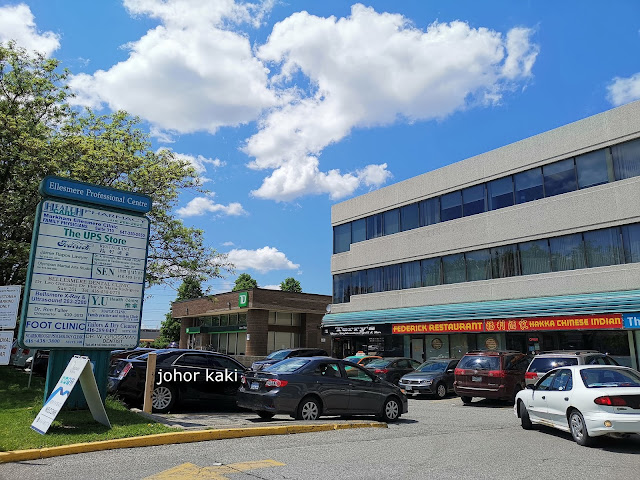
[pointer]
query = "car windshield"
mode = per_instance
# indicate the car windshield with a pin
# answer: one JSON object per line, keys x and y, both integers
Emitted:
{"x": 288, "y": 366}
{"x": 278, "y": 355}
{"x": 479, "y": 362}
{"x": 609, "y": 377}
{"x": 379, "y": 362}
{"x": 354, "y": 359}
{"x": 544, "y": 364}
{"x": 432, "y": 367}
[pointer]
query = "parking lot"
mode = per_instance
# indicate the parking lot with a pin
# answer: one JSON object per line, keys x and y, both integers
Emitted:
{"x": 436, "y": 439}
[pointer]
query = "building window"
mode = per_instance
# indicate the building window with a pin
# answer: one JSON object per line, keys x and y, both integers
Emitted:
{"x": 341, "y": 238}
{"x": 233, "y": 319}
{"x": 391, "y": 221}
{"x": 453, "y": 267}
{"x": 473, "y": 200}
{"x": 478, "y": 265}
{"x": 410, "y": 217}
{"x": 374, "y": 226}
{"x": 295, "y": 319}
{"x": 224, "y": 320}
{"x": 631, "y": 239}
{"x": 359, "y": 282}
{"x": 374, "y": 280}
{"x": 603, "y": 247}
{"x": 431, "y": 272}
{"x": 341, "y": 286}
{"x": 272, "y": 315}
{"x": 535, "y": 257}
{"x": 626, "y": 159}
{"x": 222, "y": 345}
{"x": 592, "y": 169}
{"x": 429, "y": 211}
{"x": 411, "y": 277}
{"x": 231, "y": 343}
{"x": 559, "y": 177}
{"x": 391, "y": 277}
{"x": 284, "y": 318}
{"x": 500, "y": 193}
{"x": 242, "y": 319}
{"x": 528, "y": 185}
{"x": 358, "y": 230}
{"x": 504, "y": 261}
{"x": 567, "y": 252}
{"x": 241, "y": 349}
{"x": 450, "y": 206}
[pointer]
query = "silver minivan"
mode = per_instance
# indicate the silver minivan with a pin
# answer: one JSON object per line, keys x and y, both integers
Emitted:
{"x": 545, "y": 361}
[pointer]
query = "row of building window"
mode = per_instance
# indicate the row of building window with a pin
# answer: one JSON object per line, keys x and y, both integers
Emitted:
{"x": 594, "y": 168}
{"x": 596, "y": 248}
{"x": 222, "y": 320}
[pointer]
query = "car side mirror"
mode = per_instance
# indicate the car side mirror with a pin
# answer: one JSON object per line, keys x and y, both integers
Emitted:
{"x": 451, "y": 370}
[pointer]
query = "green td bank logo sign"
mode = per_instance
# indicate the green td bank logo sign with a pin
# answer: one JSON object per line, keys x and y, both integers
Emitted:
{"x": 243, "y": 299}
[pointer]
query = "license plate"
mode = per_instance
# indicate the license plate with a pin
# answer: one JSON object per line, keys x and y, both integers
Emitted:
{"x": 254, "y": 386}
{"x": 476, "y": 379}
{"x": 408, "y": 388}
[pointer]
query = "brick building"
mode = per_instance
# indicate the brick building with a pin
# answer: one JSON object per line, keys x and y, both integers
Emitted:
{"x": 253, "y": 322}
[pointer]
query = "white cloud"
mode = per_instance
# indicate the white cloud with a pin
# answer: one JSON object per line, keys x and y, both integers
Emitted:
{"x": 271, "y": 287}
{"x": 199, "y": 163}
{"x": 17, "y": 23}
{"x": 263, "y": 260}
{"x": 228, "y": 244}
{"x": 202, "y": 205}
{"x": 372, "y": 69}
{"x": 191, "y": 73}
{"x": 624, "y": 90}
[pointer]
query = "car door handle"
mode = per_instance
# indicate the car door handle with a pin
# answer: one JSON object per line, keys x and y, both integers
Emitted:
{"x": 566, "y": 399}
{"x": 543, "y": 397}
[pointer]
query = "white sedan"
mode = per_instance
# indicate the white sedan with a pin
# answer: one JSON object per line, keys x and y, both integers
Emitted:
{"x": 586, "y": 400}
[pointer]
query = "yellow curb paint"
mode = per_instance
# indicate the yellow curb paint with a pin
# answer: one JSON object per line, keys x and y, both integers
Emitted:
{"x": 194, "y": 472}
{"x": 177, "y": 437}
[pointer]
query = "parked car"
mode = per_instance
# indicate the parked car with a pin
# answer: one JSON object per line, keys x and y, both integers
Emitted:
{"x": 392, "y": 368}
{"x": 20, "y": 355}
{"x": 587, "y": 401}
{"x": 39, "y": 362}
{"x": 362, "y": 360}
{"x": 117, "y": 355}
{"x": 433, "y": 377}
{"x": 181, "y": 375}
{"x": 278, "y": 355}
{"x": 308, "y": 387}
{"x": 545, "y": 361}
{"x": 496, "y": 374}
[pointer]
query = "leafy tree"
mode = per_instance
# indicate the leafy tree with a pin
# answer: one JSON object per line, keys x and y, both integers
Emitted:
{"x": 170, "y": 329}
{"x": 41, "y": 135}
{"x": 245, "y": 282}
{"x": 290, "y": 284}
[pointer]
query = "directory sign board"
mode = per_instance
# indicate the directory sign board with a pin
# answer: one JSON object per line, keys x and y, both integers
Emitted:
{"x": 9, "y": 300}
{"x": 6, "y": 341}
{"x": 86, "y": 277}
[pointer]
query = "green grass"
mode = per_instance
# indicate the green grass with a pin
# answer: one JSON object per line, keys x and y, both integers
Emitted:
{"x": 20, "y": 405}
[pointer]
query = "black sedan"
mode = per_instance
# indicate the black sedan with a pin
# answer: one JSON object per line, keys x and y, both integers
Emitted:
{"x": 433, "y": 377}
{"x": 392, "y": 368}
{"x": 308, "y": 387}
{"x": 181, "y": 375}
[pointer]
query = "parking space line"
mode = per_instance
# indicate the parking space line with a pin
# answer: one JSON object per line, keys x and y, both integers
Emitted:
{"x": 190, "y": 471}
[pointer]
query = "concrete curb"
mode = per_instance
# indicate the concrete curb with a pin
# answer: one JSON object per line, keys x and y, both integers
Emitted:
{"x": 177, "y": 437}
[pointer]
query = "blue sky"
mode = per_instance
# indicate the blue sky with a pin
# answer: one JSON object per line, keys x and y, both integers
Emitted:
{"x": 286, "y": 108}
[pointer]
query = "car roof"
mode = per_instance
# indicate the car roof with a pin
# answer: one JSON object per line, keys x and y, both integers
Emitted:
{"x": 491, "y": 352}
{"x": 565, "y": 353}
{"x": 593, "y": 367}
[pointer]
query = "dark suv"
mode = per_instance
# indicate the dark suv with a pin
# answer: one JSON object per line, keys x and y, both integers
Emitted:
{"x": 497, "y": 374}
{"x": 279, "y": 355}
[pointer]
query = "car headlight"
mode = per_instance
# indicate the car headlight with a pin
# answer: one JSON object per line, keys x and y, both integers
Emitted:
{"x": 426, "y": 382}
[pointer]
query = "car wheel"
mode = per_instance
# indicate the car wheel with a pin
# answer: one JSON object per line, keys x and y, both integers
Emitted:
{"x": 525, "y": 421}
{"x": 441, "y": 390}
{"x": 579, "y": 429}
{"x": 309, "y": 409}
{"x": 466, "y": 400}
{"x": 390, "y": 410}
{"x": 163, "y": 398}
{"x": 516, "y": 389}
{"x": 265, "y": 415}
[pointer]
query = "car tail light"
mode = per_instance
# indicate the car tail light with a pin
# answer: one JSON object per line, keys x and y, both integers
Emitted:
{"x": 14, "y": 350}
{"x": 243, "y": 379}
{"x": 497, "y": 373}
{"x": 458, "y": 371}
{"x": 381, "y": 370}
{"x": 275, "y": 383}
{"x": 611, "y": 401}
{"x": 531, "y": 375}
{"x": 124, "y": 371}
{"x": 26, "y": 351}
